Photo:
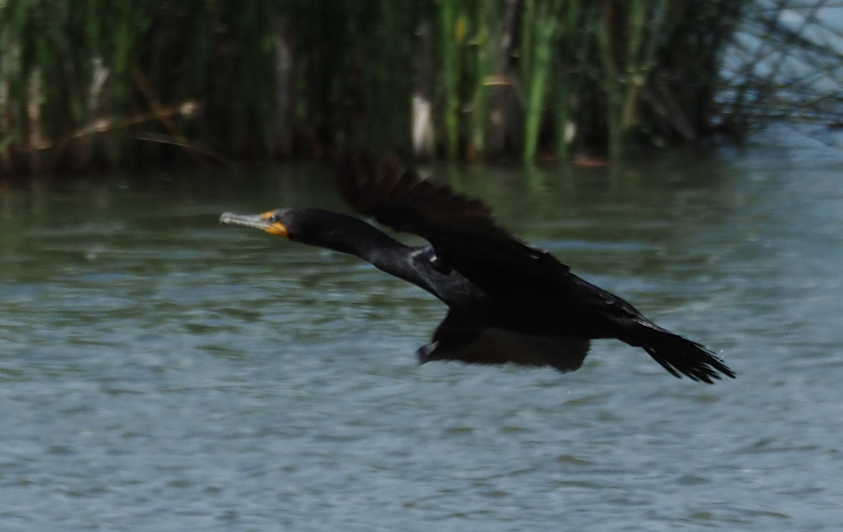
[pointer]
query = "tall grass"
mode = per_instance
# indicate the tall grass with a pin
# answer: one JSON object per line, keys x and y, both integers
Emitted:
{"x": 541, "y": 23}
{"x": 82, "y": 82}
{"x": 108, "y": 82}
{"x": 627, "y": 64}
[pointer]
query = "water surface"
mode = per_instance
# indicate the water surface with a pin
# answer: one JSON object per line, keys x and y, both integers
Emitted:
{"x": 159, "y": 371}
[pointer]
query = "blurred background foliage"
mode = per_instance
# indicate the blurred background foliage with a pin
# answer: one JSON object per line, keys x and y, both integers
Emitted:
{"x": 88, "y": 83}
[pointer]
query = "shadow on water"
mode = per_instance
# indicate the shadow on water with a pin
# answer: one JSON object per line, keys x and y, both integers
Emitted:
{"x": 158, "y": 370}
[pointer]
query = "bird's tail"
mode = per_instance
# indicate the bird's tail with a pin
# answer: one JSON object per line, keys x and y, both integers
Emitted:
{"x": 677, "y": 355}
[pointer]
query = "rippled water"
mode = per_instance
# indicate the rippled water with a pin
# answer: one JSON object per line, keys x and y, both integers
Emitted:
{"x": 159, "y": 371}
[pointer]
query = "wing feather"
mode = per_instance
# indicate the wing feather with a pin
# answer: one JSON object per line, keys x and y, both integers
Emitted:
{"x": 461, "y": 229}
{"x": 459, "y": 339}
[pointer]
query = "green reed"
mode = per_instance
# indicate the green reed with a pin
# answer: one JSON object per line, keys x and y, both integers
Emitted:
{"x": 107, "y": 82}
{"x": 627, "y": 63}
{"x": 543, "y": 21}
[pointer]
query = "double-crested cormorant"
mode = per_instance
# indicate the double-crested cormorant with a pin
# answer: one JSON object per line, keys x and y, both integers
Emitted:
{"x": 508, "y": 301}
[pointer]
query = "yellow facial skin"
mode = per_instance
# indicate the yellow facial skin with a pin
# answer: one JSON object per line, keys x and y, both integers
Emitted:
{"x": 273, "y": 228}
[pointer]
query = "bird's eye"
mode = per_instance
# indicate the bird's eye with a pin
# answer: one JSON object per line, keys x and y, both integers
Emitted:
{"x": 274, "y": 219}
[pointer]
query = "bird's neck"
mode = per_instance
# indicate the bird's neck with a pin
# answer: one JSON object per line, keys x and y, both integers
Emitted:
{"x": 355, "y": 237}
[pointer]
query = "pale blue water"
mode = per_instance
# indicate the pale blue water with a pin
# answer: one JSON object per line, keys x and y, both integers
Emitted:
{"x": 159, "y": 371}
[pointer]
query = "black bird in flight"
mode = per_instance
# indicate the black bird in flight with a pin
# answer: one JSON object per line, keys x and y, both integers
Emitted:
{"x": 508, "y": 301}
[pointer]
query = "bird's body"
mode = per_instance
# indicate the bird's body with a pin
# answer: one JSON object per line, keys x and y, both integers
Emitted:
{"x": 508, "y": 301}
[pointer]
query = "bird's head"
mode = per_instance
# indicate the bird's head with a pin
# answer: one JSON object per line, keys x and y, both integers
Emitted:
{"x": 275, "y": 222}
{"x": 306, "y": 225}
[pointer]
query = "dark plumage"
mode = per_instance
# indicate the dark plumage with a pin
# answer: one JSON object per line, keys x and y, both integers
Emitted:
{"x": 508, "y": 301}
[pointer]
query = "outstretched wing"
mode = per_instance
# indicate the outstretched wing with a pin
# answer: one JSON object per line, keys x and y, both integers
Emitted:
{"x": 458, "y": 339}
{"x": 461, "y": 229}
